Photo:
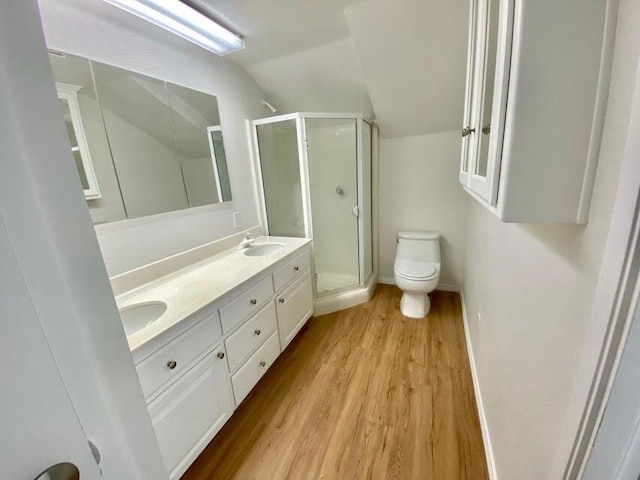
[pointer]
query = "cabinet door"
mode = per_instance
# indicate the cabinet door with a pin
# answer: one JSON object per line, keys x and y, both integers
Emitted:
{"x": 486, "y": 104}
{"x": 190, "y": 412}
{"x": 295, "y": 306}
{"x": 468, "y": 130}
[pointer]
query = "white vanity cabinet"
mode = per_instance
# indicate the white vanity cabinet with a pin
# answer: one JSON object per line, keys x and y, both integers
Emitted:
{"x": 294, "y": 308}
{"x": 536, "y": 86}
{"x": 197, "y": 376}
{"x": 190, "y": 412}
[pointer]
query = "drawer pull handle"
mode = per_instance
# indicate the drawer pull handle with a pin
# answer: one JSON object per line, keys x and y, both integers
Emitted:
{"x": 296, "y": 268}
{"x": 220, "y": 355}
{"x": 263, "y": 363}
{"x": 171, "y": 364}
{"x": 281, "y": 300}
{"x": 253, "y": 301}
{"x": 257, "y": 331}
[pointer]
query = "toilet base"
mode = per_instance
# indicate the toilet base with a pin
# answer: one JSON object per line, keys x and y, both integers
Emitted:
{"x": 415, "y": 305}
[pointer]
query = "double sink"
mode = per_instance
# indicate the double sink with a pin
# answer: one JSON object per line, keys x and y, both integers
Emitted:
{"x": 141, "y": 315}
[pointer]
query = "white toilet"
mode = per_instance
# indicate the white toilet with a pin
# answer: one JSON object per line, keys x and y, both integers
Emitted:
{"x": 417, "y": 270}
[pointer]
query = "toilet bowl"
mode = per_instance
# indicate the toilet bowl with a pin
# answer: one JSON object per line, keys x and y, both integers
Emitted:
{"x": 417, "y": 270}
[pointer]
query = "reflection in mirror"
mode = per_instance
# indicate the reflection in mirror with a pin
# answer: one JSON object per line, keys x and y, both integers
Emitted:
{"x": 142, "y": 139}
{"x": 141, "y": 146}
{"x": 87, "y": 137}
{"x": 194, "y": 115}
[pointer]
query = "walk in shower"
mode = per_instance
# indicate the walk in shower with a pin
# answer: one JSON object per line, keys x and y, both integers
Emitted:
{"x": 316, "y": 172}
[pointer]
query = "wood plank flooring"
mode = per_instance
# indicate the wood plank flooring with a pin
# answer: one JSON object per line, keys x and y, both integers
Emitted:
{"x": 364, "y": 393}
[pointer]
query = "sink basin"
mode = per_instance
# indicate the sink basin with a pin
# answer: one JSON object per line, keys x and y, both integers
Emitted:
{"x": 138, "y": 316}
{"x": 263, "y": 249}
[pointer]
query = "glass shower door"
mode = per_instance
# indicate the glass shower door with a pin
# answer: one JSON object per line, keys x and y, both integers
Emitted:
{"x": 332, "y": 163}
{"x": 280, "y": 167}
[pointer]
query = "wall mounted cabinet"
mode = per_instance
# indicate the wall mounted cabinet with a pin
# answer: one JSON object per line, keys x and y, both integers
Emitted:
{"x": 537, "y": 81}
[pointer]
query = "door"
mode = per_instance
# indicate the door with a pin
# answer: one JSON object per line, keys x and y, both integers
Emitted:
{"x": 491, "y": 25}
{"x": 39, "y": 424}
{"x": 281, "y": 181}
{"x": 616, "y": 450}
{"x": 331, "y": 148}
{"x": 468, "y": 129}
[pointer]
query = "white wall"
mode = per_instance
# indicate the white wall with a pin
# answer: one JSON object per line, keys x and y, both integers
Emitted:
{"x": 419, "y": 190}
{"x": 533, "y": 286}
{"x": 97, "y": 30}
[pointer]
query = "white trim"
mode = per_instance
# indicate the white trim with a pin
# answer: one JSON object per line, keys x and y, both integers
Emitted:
{"x": 69, "y": 93}
{"x": 463, "y": 175}
{"x": 600, "y": 108}
{"x": 484, "y": 427}
{"x": 256, "y": 172}
{"x": 607, "y": 322}
{"x": 443, "y": 287}
{"x": 214, "y": 160}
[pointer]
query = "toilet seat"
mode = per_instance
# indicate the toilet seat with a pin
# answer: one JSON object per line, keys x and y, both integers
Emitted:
{"x": 415, "y": 270}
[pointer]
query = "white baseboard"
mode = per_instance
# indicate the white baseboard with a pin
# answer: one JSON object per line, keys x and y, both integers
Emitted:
{"x": 443, "y": 287}
{"x": 486, "y": 438}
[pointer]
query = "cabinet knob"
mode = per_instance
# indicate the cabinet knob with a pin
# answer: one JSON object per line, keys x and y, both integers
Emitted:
{"x": 257, "y": 331}
{"x": 467, "y": 131}
{"x": 296, "y": 268}
{"x": 253, "y": 301}
{"x": 171, "y": 364}
{"x": 263, "y": 363}
{"x": 220, "y": 355}
{"x": 281, "y": 300}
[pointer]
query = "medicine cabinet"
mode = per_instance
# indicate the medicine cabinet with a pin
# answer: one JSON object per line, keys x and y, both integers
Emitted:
{"x": 536, "y": 88}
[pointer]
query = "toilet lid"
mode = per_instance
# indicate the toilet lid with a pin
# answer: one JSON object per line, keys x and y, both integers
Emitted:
{"x": 415, "y": 270}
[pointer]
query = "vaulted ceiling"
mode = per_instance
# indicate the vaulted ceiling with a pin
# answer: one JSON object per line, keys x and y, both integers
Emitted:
{"x": 400, "y": 61}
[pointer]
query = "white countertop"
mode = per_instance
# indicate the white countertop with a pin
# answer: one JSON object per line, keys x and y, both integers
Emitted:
{"x": 190, "y": 289}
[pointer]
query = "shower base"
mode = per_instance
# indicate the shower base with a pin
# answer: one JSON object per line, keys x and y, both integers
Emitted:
{"x": 328, "y": 281}
{"x": 328, "y": 302}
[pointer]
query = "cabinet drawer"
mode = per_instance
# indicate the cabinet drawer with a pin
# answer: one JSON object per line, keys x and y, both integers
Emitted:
{"x": 156, "y": 370}
{"x": 250, "y": 335}
{"x": 295, "y": 306}
{"x": 245, "y": 304}
{"x": 290, "y": 270}
{"x": 188, "y": 414}
{"x": 254, "y": 368}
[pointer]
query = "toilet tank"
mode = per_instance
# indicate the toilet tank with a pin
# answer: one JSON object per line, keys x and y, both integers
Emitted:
{"x": 419, "y": 246}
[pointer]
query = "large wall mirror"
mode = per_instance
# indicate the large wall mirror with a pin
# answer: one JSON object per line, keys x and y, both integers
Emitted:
{"x": 142, "y": 146}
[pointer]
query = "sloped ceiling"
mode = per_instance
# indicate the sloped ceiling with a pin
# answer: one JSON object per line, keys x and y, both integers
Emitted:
{"x": 413, "y": 55}
{"x": 324, "y": 78}
{"x": 400, "y": 61}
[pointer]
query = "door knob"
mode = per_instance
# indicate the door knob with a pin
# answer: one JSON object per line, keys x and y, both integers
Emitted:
{"x": 61, "y": 471}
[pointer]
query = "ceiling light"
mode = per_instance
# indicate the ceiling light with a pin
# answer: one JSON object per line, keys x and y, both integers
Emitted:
{"x": 184, "y": 21}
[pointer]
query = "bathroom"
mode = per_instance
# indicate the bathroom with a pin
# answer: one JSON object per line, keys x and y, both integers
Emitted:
{"x": 365, "y": 261}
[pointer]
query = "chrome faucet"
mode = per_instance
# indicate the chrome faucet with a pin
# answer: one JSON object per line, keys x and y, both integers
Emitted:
{"x": 247, "y": 241}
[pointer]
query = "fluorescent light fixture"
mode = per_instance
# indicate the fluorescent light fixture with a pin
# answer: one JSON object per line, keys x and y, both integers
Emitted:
{"x": 184, "y": 21}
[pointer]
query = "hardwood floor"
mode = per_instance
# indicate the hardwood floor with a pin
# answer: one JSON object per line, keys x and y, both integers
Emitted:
{"x": 364, "y": 393}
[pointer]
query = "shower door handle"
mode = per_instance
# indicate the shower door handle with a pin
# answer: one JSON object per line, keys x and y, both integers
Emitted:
{"x": 356, "y": 211}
